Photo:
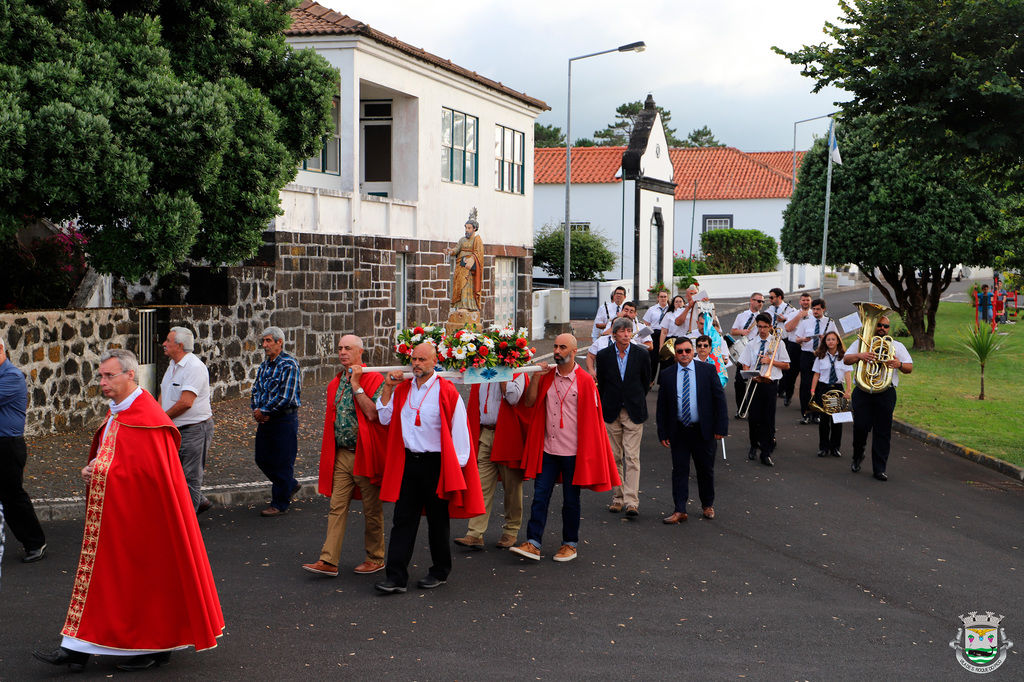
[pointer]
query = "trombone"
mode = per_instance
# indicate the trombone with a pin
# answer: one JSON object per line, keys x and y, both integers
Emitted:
{"x": 771, "y": 349}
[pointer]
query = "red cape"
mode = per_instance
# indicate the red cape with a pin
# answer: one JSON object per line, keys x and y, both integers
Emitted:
{"x": 595, "y": 462}
{"x": 459, "y": 485}
{"x": 143, "y": 579}
{"x": 369, "y": 458}
{"x": 510, "y": 431}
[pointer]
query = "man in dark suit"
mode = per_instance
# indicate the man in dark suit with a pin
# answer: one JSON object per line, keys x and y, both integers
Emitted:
{"x": 692, "y": 417}
{"x": 623, "y": 373}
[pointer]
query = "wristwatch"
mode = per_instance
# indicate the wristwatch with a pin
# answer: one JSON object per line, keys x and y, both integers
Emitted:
{"x": 358, "y": 391}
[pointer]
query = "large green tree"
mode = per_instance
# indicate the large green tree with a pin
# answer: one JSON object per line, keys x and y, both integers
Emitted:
{"x": 166, "y": 127}
{"x": 943, "y": 78}
{"x": 589, "y": 253}
{"x": 616, "y": 134}
{"x": 905, "y": 222}
{"x": 547, "y": 136}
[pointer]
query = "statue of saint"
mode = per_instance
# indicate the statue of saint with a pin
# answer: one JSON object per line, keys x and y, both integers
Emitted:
{"x": 468, "y": 281}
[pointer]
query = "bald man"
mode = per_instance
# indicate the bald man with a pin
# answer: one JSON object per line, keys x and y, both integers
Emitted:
{"x": 567, "y": 439}
{"x": 429, "y": 468}
{"x": 351, "y": 438}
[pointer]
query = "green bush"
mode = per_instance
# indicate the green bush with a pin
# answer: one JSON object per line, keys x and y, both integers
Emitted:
{"x": 732, "y": 251}
{"x": 589, "y": 255}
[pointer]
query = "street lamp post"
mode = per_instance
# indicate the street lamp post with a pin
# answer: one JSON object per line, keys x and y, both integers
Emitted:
{"x": 631, "y": 47}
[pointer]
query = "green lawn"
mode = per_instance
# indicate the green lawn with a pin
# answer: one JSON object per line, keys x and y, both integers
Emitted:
{"x": 941, "y": 395}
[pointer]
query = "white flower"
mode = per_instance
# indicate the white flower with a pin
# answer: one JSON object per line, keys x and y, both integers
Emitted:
{"x": 506, "y": 332}
{"x": 442, "y": 349}
{"x": 428, "y": 328}
{"x": 416, "y": 338}
{"x": 460, "y": 353}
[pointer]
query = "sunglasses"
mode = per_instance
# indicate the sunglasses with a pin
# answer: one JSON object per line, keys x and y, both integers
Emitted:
{"x": 683, "y": 351}
{"x": 703, "y": 345}
{"x": 758, "y": 300}
{"x": 883, "y": 326}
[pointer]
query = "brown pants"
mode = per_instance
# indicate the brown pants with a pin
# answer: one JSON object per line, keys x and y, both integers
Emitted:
{"x": 512, "y": 480}
{"x": 344, "y": 484}
{"x": 625, "y": 437}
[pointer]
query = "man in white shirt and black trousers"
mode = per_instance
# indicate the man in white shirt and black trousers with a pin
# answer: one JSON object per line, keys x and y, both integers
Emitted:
{"x": 872, "y": 412}
{"x": 810, "y": 330}
{"x": 653, "y": 318}
{"x": 608, "y": 311}
{"x": 761, "y": 415}
{"x": 787, "y": 387}
{"x": 744, "y": 327}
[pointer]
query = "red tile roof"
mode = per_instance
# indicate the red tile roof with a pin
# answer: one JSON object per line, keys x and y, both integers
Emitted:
{"x": 721, "y": 172}
{"x": 780, "y": 161}
{"x": 311, "y": 18}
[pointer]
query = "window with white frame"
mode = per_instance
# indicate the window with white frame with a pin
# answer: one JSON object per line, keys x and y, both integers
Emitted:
{"x": 459, "y": 148}
{"x": 508, "y": 159}
{"x": 328, "y": 159}
{"x": 716, "y": 222}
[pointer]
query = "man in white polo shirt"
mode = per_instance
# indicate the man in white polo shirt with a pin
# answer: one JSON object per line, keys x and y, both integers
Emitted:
{"x": 185, "y": 397}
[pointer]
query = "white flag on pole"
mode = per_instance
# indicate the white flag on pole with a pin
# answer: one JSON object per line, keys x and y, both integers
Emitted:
{"x": 833, "y": 145}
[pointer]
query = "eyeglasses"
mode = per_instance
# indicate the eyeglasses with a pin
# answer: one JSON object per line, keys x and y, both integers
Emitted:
{"x": 108, "y": 377}
{"x": 764, "y": 326}
{"x": 683, "y": 351}
{"x": 703, "y": 345}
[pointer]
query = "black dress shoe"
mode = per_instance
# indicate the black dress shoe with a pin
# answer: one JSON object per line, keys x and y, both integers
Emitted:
{"x": 786, "y": 401}
{"x": 430, "y": 582}
{"x": 204, "y": 506}
{"x": 752, "y": 454}
{"x": 33, "y": 555}
{"x": 145, "y": 661}
{"x": 74, "y": 660}
{"x": 388, "y": 587}
{"x": 880, "y": 476}
{"x": 822, "y": 452}
{"x": 836, "y": 453}
{"x": 767, "y": 461}
{"x": 805, "y": 420}
{"x": 855, "y": 464}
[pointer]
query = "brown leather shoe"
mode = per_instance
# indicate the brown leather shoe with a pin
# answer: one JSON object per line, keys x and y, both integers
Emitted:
{"x": 368, "y": 567}
{"x": 506, "y": 541}
{"x": 322, "y": 568}
{"x": 677, "y": 517}
{"x": 272, "y": 511}
{"x": 709, "y": 512}
{"x": 615, "y": 507}
{"x": 527, "y": 550}
{"x": 470, "y": 542}
{"x": 565, "y": 553}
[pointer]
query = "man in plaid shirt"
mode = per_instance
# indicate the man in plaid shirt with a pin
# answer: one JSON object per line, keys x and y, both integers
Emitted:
{"x": 275, "y": 407}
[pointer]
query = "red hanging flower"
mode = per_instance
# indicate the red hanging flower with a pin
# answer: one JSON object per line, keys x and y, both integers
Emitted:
{"x": 503, "y": 345}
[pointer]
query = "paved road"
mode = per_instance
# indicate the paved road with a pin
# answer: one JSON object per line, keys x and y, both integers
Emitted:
{"x": 809, "y": 572}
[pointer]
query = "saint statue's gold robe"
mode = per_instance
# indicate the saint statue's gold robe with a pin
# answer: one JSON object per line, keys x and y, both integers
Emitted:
{"x": 468, "y": 283}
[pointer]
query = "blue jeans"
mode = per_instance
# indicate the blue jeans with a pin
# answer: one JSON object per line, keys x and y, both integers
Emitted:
{"x": 277, "y": 443}
{"x": 543, "y": 486}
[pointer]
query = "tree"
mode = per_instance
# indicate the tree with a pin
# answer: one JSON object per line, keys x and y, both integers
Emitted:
{"x": 943, "y": 78}
{"x": 165, "y": 128}
{"x": 547, "y": 136}
{"x": 700, "y": 137}
{"x": 584, "y": 142}
{"x": 913, "y": 220}
{"x": 617, "y": 134}
{"x": 589, "y": 254}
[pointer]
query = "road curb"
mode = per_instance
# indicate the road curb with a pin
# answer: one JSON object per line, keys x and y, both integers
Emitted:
{"x": 1005, "y": 468}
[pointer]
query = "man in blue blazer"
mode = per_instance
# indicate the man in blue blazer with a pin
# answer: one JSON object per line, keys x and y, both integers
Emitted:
{"x": 692, "y": 417}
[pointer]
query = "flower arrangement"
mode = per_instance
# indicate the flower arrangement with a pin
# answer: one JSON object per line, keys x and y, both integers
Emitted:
{"x": 467, "y": 349}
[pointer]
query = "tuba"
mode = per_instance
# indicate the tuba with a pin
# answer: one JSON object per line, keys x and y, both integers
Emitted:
{"x": 873, "y": 377}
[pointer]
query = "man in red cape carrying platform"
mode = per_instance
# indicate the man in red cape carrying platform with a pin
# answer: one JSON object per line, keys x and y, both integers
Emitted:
{"x": 566, "y": 439}
{"x": 430, "y": 468}
{"x": 138, "y": 509}
{"x": 495, "y": 425}
{"x": 351, "y": 464}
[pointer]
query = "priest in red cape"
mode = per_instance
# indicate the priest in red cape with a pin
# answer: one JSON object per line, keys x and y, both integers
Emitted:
{"x": 351, "y": 460}
{"x": 138, "y": 514}
{"x": 430, "y": 468}
{"x": 567, "y": 440}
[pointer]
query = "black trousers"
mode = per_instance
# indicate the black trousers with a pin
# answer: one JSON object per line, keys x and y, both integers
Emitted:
{"x": 687, "y": 443}
{"x": 418, "y": 494}
{"x": 787, "y": 385}
{"x": 830, "y": 434}
{"x": 21, "y": 516}
{"x": 872, "y": 412}
{"x": 806, "y": 375}
{"x": 761, "y": 417}
{"x": 740, "y": 384}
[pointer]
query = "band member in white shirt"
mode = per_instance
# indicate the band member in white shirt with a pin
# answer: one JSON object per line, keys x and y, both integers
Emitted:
{"x": 608, "y": 311}
{"x": 743, "y": 327}
{"x": 653, "y": 319}
{"x": 830, "y": 374}
{"x": 787, "y": 387}
{"x": 809, "y": 332}
{"x": 761, "y": 416}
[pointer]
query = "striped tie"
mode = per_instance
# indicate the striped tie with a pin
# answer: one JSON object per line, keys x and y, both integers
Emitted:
{"x": 833, "y": 378}
{"x": 760, "y": 353}
{"x": 817, "y": 330}
{"x": 684, "y": 404}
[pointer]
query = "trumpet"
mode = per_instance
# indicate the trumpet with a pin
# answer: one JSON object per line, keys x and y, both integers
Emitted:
{"x": 766, "y": 371}
{"x": 832, "y": 402}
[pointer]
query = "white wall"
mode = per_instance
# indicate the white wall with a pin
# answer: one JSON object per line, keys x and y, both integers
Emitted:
{"x": 748, "y": 214}
{"x": 439, "y": 208}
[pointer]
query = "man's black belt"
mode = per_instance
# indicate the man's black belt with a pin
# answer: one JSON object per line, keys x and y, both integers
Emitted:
{"x": 421, "y": 455}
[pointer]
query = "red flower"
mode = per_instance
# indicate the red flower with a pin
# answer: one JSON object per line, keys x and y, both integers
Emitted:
{"x": 458, "y": 334}
{"x": 417, "y": 330}
{"x": 522, "y": 343}
{"x": 483, "y": 350}
{"x": 533, "y": 350}
{"x": 503, "y": 345}
{"x": 403, "y": 349}
{"x": 513, "y": 354}
{"x": 450, "y": 352}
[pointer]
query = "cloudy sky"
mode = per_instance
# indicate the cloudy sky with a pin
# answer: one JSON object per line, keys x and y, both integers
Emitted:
{"x": 708, "y": 62}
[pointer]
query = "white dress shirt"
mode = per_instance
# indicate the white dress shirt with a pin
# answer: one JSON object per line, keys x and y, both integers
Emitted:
{"x": 654, "y": 314}
{"x": 490, "y": 397}
{"x": 823, "y": 367}
{"x": 188, "y": 375}
{"x": 805, "y": 329}
{"x": 744, "y": 319}
{"x": 427, "y": 436}
{"x": 607, "y": 311}
{"x": 748, "y": 358}
{"x": 793, "y": 312}
{"x": 899, "y": 351}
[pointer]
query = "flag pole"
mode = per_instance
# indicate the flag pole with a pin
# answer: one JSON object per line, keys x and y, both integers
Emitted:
{"x": 828, "y": 197}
